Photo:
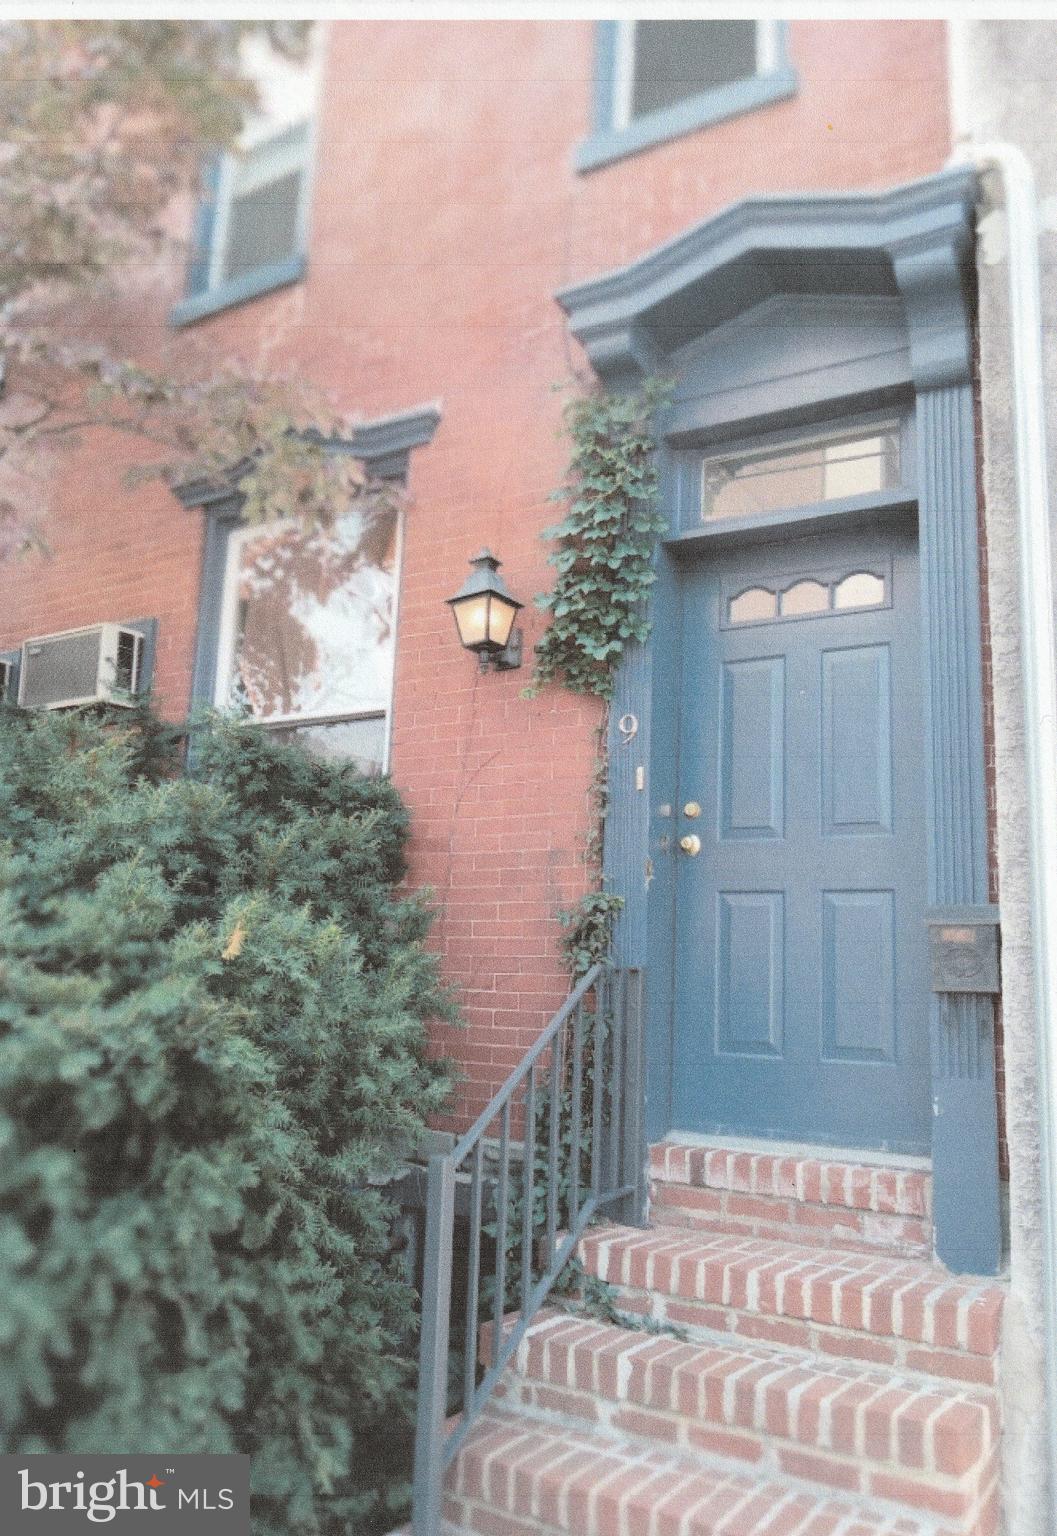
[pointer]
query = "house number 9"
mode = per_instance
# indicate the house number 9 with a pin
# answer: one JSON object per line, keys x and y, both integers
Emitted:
{"x": 628, "y": 726}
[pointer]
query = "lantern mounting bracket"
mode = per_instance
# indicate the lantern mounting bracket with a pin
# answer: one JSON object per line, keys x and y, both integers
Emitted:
{"x": 506, "y": 660}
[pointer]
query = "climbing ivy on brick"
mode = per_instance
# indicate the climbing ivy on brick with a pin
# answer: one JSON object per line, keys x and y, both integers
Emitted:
{"x": 588, "y": 929}
{"x": 604, "y": 554}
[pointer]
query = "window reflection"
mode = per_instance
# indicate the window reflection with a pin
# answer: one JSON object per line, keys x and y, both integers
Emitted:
{"x": 310, "y": 617}
{"x": 361, "y": 742}
{"x": 750, "y": 483}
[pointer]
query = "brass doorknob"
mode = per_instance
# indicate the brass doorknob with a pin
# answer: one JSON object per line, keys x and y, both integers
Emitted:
{"x": 690, "y": 844}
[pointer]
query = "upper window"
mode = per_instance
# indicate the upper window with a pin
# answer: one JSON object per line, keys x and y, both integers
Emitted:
{"x": 658, "y": 79}
{"x": 251, "y": 225}
{"x": 261, "y": 198}
{"x": 307, "y": 630}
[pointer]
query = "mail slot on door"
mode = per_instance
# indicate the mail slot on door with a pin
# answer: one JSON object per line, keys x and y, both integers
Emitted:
{"x": 963, "y": 942}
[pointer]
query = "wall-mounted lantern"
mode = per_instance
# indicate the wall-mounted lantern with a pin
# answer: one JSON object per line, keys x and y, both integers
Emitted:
{"x": 484, "y": 615}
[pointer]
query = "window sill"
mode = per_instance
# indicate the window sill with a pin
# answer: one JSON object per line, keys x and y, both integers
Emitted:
{"x": 813, "y": 517}
{"x": 305, "y": 722}
{"x": 701, "y": 111}
{"x": 252, "y": 285}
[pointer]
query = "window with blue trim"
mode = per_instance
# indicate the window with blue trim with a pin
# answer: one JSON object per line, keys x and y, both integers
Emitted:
{"x": 250, "y": 231}
{"x": 307, "y": 625}
{"x": 658, "y": 79}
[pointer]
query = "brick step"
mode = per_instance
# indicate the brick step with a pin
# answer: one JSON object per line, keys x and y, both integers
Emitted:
{"x": 518, "y": 1477}
{"x": 930, "y": 1445}
{"x": 868, "y": 1307}
{"x": 808, "y": 1200}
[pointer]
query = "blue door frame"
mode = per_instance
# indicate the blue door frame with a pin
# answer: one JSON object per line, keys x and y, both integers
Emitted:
{"x": 774, "y": 314}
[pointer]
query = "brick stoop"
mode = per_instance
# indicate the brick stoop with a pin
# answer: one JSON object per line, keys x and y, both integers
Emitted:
{"x": 895, "y": 1312}
{"x": 515, "y": 1477}
{"x": 839, "y": 1384}
{"x": 932, "y": 1445}
{"x": 806, "y": 1200}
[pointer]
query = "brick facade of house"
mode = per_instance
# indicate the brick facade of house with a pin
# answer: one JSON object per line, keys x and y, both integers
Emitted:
{"x": 446, "y": 212}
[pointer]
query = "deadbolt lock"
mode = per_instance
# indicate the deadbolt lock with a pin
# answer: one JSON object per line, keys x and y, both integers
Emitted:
{"x": 692, "y": 809}
{"x": 690, "y": 844}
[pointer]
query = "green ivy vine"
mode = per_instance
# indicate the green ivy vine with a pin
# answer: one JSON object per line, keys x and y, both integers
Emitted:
{"x": 604, "y": 565}
{"x": 604, "y": 554}
{"x": 588, "y": 928}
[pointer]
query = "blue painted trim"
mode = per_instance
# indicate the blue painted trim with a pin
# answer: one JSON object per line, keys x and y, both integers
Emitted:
{"x": 384, "y": 445}
{"x": 966, "y": 1187}
{"x": 913, "y": 242}
{"x": 606, "y": 33}
{"x": 813, "y": 517}
{"x": 14, "y": 658}
{"x": 985, "y": 915}
{"x": 730, "y": 535}
{"x": 715, "y": 106}
{"x": 950, "y": 593}
{"x": 222, "y": 519}
{"x": 240, "y": 290}
{"x": 713, "y": 402}
{"x": 204, "y": 221}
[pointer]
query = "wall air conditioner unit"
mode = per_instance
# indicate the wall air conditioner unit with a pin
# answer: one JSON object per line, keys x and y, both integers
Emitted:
{"x": 81, "y": 666}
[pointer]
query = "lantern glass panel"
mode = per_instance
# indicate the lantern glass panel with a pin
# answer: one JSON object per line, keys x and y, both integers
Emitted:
{"x": 501, "y": 621}
{"x": 471, "y": 617}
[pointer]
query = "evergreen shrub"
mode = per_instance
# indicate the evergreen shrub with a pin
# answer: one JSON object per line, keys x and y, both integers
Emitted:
{"x": 213, "y": 1003}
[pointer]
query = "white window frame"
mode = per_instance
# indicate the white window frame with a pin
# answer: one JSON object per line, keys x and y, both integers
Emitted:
{"x": 255, "y": 166}
{"x": 768, "y": 60}
{"x": 226, "y": 635}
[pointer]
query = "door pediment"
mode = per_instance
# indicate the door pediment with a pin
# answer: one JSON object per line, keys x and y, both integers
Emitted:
{"x": 910, "y": 243}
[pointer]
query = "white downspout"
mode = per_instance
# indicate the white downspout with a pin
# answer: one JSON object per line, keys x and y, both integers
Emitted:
{"x": 1039, "y": 660}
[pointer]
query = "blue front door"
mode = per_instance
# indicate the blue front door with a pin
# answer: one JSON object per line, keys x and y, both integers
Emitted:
{"x": 800, "y": 976}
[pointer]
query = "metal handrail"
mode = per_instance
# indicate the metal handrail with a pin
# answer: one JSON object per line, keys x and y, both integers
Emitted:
{"x": 609, "y": 1135}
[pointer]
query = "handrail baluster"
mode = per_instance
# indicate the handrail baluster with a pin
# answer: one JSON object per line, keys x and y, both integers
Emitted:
{"x": 473, "y": 1279}
{"x": 576, "y": 1112}
{"x": 618, "y": 1014}
{"x": 433, "y": 1373}
{"x": 502, "y": 1194}
{"x": 527, "y": 1191}
{"x": 553, "y": 1143}
{"x": 601, "y": 993}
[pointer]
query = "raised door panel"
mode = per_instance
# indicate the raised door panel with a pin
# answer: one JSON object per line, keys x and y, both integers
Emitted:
{"x": 750, "y": 967}
{"x": 856, "y": 741}
{"x": 752, "y": 772}
{"x": 858, "y": 976}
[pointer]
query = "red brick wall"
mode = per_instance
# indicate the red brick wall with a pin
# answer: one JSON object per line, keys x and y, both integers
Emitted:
{"x": 446, "y": 213}
{"x": 111, "y": 554}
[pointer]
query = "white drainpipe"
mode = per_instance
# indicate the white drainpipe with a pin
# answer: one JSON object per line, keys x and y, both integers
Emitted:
{"x": 1039, "y": 660}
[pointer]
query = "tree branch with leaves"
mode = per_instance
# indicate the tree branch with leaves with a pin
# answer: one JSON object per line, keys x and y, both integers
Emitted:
{"x": 103, "y": 129}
